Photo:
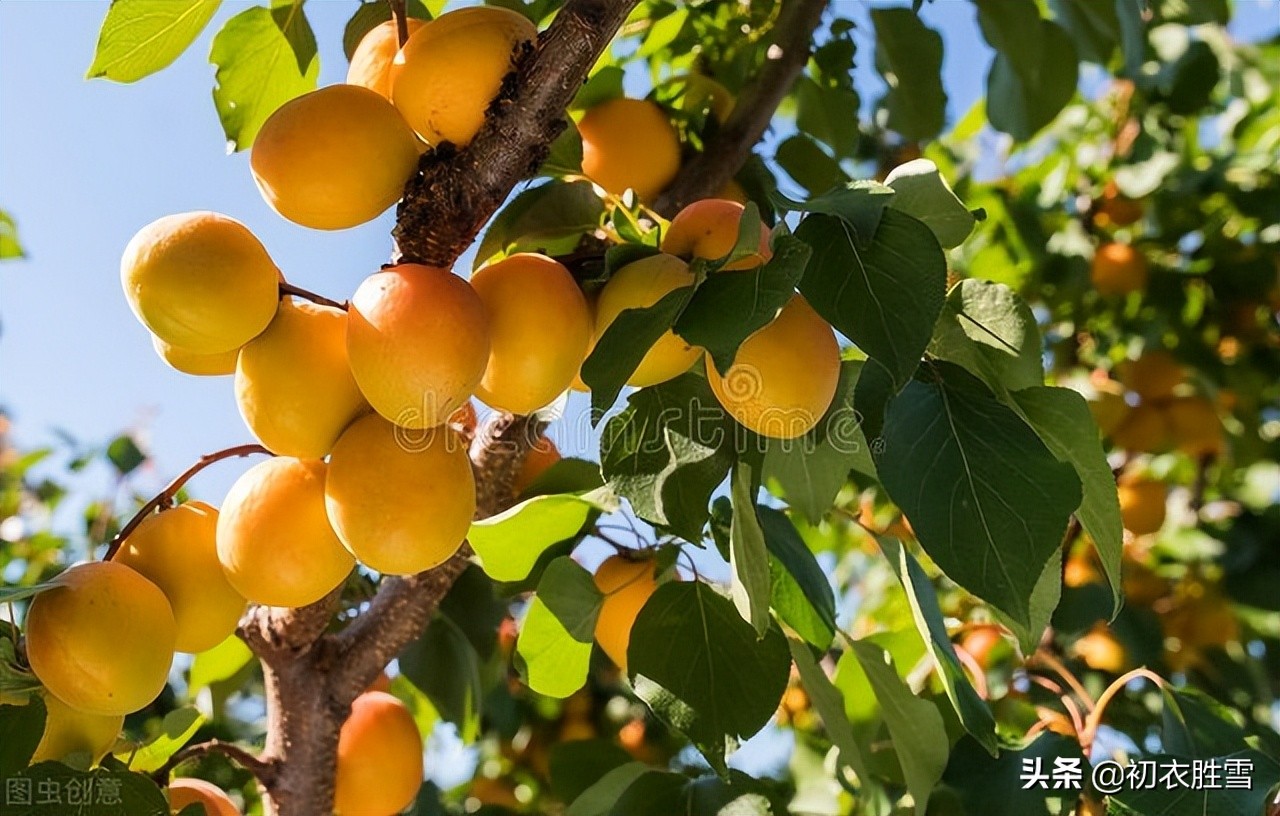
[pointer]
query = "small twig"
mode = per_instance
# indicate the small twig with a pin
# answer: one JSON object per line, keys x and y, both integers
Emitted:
{"x": 264, "y": 770}
{"x": 975, "y": 670}
{"x": 165, "y": 497}
{"x": 1049, "y": 661}
{"x": 401, "y": 16}
{"x": 1094, "y": 720}
{"x": 298, "y": 291}
{"x": 1201, "y": 484}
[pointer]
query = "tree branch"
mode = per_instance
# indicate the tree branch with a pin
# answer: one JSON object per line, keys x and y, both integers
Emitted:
{"x": 275, "y": 633}
{"x": 729, "y": 149}
{"x": 264, "y": 770}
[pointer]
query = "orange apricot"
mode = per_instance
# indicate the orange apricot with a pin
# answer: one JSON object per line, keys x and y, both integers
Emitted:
{"x": 371, "y": 62}
{"x": 1118, "y": 269}
{"x": 1142, "y": 504}
{"x": 540, "y": 457}
{"x": 640, "y": 284}
{"x": 187, "y": 791}
{"x": 1154, "y": 375}
{"x": 379, "y": 758}
{"x": 626, "y": 585}
{"x": 629, "y": 144}
{"x": 709, "y": 229}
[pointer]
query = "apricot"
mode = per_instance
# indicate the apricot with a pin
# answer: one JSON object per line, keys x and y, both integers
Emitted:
{"x": 1153, "y": 376}
{"x": 530, "y": 366}
{"x": 1195, "y": 427}
{"x": 986, "y": 645}
{"x": 1118, "y": 269}
{"x": 626, "y": 585}
{"x": 1109, "y": 407}
{"x": 102, "y": 640}
{"x": 784, "y": 376}
{"x": 1142, "y": 504}
{"x": 709, "y": 229}
{"x": 540, "y": 457}
{"x": 371, "y": 61}
{"x": 452, "y": 68}
{"x": 188, "y": 791}
{"x": 1145, "y": 429}
{"x": 418, "y": 342}
{"x": 1101, "y": 651}
{"x": 294, "y": 384}
{"x": 1116, "y": 209}
{"x": 379, "y": 758}
{"x": 67, "y": 731}
{"x": 274, "y": 539}
{"x": 200, "y": 281}
{"x": 177, "y": 551}
{"x": 700, "y": 92}
{"x": 200, "y": 365}
{"x": 401, "y": 501}
{"x": 333, "y": 158}
{"x": 638, "y": 285}
{"x": 629, "y": 144}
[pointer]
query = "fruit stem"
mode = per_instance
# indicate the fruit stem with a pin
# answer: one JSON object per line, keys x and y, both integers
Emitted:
{"x": 165, "y": 497}
{"x": 1095, "y": 717}
{"x": 298, "y": 291}
{"x": 400, "y": 13}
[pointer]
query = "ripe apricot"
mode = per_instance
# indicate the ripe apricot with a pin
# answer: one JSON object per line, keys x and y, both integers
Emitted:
{"x": 418, "y": 341}
{"x": 540, "y": 457}
{"x": 333, "y": 158}
{"x": 1101, "y": 651}
{"x": 200, "y": 365}
{"x": 274, "y": 539}
{"x": 452, "y": 68}
{"x": 1142, "y": 504}
{"x": 293, "y": 383}
{"x": 177, "y": 551}
{"x": 699, "y": 92}
{"x": 379, "y": 758}
{"x": 102, "y": 640}
{"x": 1116, "y": 209}
{"x": 629, "y": 144}
{"x": 1118, "y": 269}
{"x": 1145, "y": 429}
{"x": 67, "y": 731}
{"x": 1154, "y": 375}
{"x": 200, "y": 281}
{"x": 188, "y": 791}
{"x": 1194, "y": 426}
{"x": 400, "y": 500}
{"x": 626, "y": 585}
{"x": 784, "y": 376}
{"x": 986, "y": 645}
{"x": 638, "y": 285}
{"x": 530, "y": 365}
{"x": 1109, "y": 407}
{"x": 709, "y": 229}
{"x": 371, "y": 61}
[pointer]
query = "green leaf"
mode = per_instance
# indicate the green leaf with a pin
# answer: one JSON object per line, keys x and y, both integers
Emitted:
{"x": 369, "y": 15}
{"x": 661, "y": 793}
{"x": 922, "y": 192}
{"x": 860, "y": 204}
{"x": 667, "y": 452}
{"x": 570, "y": 593}
{"x": 730, "y": 306}
{"x": 102, "y": 792}
{"x": 1062, "y": 419}
{"x": 474, "y": 605}
{"x": 568, "y": 475}
{"x": 140, "y": 37}
{"x": 22, "y": 726}
{"x": 987, "y": 328}
{"x": 257, "y": 60}
{"x": 909, "y": 57}
{"x": 1043, "y": 602}
{"x": 823, "y": 112}
{"x": 915, "y": 725}
{"x": 21, "y": 593}
{"x": 750, "y": 578}
{"x": 886, "y": 298}
{"x": 1261, "y": 776}
{"x": 829, "y": 702}
{"x": 176, "y": 730}
{"x": 550, "y": 218}
{"x": 601, "y": 86}
{"x": 222, "y": 662}
{"x": 974, "y": 713}
{"x": 801, "y": 593}
{"x": 988, "y": 501}
{"x": 808, "y": 164}
{"x": 1187, "y": 82}
{"x": 1035, "y": 70}
{"x": 509, "y": 543}
{"x": 701, "y": 667}
{"x": 444, "y": 665}
{"x": 9, "y": 245}
{"x": 578, "y": 765}
{"x": 555, "y": 660}
{"x": 1094, "y": 27}
{"x": 123, "y": 453}
{"x": 1195, "y": 725}
{"x": 424, "y": 713}
{"x": 599, "y": 799}
{"x": 565, "y": 155}
{"x": 996, "y": 786}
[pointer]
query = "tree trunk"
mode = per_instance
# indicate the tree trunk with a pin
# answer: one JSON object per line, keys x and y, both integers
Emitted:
{"x": 302, "y": 739}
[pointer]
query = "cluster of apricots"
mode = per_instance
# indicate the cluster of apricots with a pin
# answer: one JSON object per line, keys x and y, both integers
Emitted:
{"x": 1118, "y": 268}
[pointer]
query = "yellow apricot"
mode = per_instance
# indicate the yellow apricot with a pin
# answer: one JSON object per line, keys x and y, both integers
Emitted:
{"x": 1101, "y": 651}
{"x": 1109, "y": 407}
{"x": 1194, "y": 426}
{"x": 1118, "y": 269}
{"x": 1153, "y": 376}
{"x": 333, "y": 158}
{"x": 274, "y": 539}
{"x": 709, "y": 229}
{"x": 177, "y": 551}
{"x": 629, "y": 144}
{"x": 379, "y": 758}
{"x": 1145, "y": 429}
{"x": 293, "y": 383}
{"x": 540, "y": 457}
{"x": 452, "y": 68}
{"x": 200, "y": 281}
{"x": 699, "y": 92}
{"x": 188, "y": 791}
{"x": 530, "y": 363}
{"x": 102, "y": 640}
{"x": 626, "y": 585}
{"x": 418, "y": 341}
{"x": 638, "y": 285}
{"x": 200, "y": 365}
{"x": 67, "y": 731}
{"x": 784, "y": 376}
{"x": 1142, "y": 504}
{"x": 372, "y": 59}
{"x": 400, "y": 500}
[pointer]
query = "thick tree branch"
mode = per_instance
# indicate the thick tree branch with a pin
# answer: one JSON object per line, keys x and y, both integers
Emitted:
{"x": 725, "y": 154}
{"x": 275, "y": 633}
{"x": 456, "y": 191}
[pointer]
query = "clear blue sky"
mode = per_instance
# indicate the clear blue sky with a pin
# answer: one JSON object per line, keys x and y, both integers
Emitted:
{"x": 84, "y": 164}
